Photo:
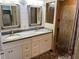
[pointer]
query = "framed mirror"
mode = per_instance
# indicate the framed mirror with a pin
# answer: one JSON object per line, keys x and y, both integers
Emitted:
{"x": 35, "y": 15}
{"x": 50, "y": 11}
{"x": 10, "y": 16}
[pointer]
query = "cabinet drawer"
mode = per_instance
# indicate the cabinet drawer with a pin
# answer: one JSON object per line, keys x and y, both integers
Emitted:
{"x": 35, "y": 44}
{"x": 46, "y": 36}
{"x": 26, "y": 47}
{"x": 37, "y": 38}
{"x": 27, "y": 55}
{"x": 35, "y": 51}
{"x": 47, "y": 41}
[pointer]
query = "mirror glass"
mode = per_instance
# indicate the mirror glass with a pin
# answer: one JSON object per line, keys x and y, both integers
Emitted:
{"x": 50, "y": 8}
{"x": 10, "y": 16}
{"x": 35, "y": 16}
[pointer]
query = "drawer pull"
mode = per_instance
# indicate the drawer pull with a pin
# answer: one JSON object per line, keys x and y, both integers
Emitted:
{"x": 46, "y": 40}
{"x": 2, "y": 54}
{"x": 11, "y": 50}
{"x": 26, "y": 48}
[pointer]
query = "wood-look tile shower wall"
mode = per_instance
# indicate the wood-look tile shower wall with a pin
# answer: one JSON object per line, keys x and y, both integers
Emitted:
{"x": 67, "y": 18}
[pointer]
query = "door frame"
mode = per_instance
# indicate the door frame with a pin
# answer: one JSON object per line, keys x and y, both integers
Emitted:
{"x": 75, "y": 31}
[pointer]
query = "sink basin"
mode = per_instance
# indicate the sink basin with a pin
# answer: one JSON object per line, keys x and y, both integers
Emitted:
{"x": 13, "y": 37}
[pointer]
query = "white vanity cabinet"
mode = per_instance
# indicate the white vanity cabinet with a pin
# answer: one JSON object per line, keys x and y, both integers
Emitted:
{"x": 13, "y": 53}
{"x": 28, "y": 48}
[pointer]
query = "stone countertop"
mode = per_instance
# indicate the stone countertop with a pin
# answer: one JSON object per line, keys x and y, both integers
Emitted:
{"x": 25, "y": 34}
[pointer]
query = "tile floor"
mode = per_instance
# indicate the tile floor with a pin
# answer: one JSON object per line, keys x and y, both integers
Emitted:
{"x": 50, "y": 55}
{"x": 47, "y": 55}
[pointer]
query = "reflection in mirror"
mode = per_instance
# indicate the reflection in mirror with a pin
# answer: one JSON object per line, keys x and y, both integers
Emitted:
{"x": 35, "y": 16}
{"x": 50, "y": 8}
{"x": 10, "y": 16}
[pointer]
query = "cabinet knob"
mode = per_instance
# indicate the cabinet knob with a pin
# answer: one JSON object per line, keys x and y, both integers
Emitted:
{"x": 46, "y": 40}
{"x": 11, "y": 50}
{"x": 26, "y": 48}
{"x": 8, "y": 51}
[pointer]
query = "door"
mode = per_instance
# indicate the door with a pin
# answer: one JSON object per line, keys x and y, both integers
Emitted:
{"x": 13, "y": 53}
{"x": 76, "y": 46}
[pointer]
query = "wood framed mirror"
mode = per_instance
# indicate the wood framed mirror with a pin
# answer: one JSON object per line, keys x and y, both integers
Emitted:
{"x": 50, "y": 11}
{"x": 35, "y": 15}
{"x": 10, "y": 16}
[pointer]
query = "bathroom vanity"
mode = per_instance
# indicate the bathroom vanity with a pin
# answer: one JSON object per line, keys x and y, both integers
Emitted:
{"x": 31, "y": 38}
{"x": 28, "y": 44}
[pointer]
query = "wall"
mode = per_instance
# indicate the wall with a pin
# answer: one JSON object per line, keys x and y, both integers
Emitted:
{"x": 24, "y": 16}
{"x": 24, "y": 13}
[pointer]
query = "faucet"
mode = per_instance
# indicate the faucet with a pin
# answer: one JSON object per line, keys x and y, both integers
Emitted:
{"x": 36, "y": 28}
{"x": 12, "y": 32}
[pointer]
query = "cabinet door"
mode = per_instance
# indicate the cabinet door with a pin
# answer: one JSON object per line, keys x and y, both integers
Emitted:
{"x": 45, "y": 43}
{"x": 13, "y": 53}
{"x": 1, "y": 55}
